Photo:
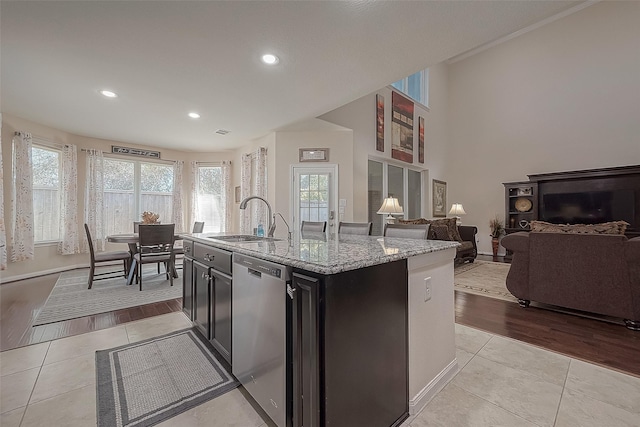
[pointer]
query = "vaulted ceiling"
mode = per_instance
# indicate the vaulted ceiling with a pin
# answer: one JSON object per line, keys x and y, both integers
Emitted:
{"x": 166, "y": 59}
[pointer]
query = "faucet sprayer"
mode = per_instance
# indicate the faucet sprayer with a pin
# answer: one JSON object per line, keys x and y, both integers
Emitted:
{"x": 285, "y": 223}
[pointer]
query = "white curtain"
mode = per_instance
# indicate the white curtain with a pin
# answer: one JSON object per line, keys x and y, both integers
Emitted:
{"x": 227, "y": 188}
{"x": 260, "y": 187}
{"x": 3, "y": 231}
{"x": 69, "y": 237}
{"x": 94, "y": 199}
{"x": 176, "y": 211}
{"x": 254, "y": 183}
{"x": 22, "y": 237}
{"x": 245, "y": 191}
{"x": 194, "y": 192}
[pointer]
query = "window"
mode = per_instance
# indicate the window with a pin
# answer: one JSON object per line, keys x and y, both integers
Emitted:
{"x": 390, "y": 180}
{"x": 416, "y": 86}
{"x": 46, "y": 169}
{"x": 210, "y": 203}
{"x": 132, "y": 187}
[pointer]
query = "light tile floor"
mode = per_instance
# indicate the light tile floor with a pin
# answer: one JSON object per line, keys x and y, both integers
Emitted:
{"x": 501, "y": 382}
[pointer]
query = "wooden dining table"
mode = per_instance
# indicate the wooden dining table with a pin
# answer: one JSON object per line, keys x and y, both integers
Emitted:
{"x": 132, "y": 240}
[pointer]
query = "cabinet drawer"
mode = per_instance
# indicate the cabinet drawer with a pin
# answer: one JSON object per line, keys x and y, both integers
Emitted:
{"x": 213, "y": 257}
{"x": 188, "y": 247}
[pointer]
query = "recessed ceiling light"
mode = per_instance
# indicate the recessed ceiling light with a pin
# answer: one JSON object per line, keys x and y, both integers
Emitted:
{"x": 270, "y": 59}
{"x": 194, "y": 115}
{"x": 108, "y": 93}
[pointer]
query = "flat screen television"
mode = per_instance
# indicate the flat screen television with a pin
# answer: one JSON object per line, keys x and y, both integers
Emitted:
{"x": 588, "y": 207}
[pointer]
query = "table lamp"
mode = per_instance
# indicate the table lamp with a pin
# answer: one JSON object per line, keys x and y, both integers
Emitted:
{"x": 390, "y": 207}
{"x": 456, "y": 211}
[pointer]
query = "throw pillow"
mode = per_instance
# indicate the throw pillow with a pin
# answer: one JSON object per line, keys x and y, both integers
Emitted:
{"x": 441, "y": 232}
{"x": 613, "y": 227}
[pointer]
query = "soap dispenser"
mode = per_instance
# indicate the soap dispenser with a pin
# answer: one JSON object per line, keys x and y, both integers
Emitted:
{"x": 260, "y": 232}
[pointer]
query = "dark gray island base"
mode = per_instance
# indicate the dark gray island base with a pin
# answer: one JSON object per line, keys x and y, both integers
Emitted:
{"x": 353, "y": 343}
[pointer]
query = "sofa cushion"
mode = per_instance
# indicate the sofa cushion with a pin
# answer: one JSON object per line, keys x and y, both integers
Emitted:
{"x": 613, "y": 227}
{"x": 450, "y": 223}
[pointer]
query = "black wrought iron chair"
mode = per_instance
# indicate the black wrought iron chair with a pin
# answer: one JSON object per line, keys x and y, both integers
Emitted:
{"x": 407, "y": 231}
{"x": 362, "y": 228}
{"x": 160, "y": 238}
{"x": 102, "y": 257}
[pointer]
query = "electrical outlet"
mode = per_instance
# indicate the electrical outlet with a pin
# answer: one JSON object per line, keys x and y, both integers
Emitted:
{"x": 427, "y": 288}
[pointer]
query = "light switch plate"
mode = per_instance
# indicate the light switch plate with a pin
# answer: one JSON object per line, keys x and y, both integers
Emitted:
{"x": 343, "y": 202}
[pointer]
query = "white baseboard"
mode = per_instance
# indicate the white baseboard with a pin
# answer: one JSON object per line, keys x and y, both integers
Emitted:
{"x": 425, "y": 395}
{"x": 45, "y": 272}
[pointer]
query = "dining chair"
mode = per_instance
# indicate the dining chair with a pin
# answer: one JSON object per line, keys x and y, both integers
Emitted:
{"x": 179, "y": 249}
{"x": 407, "y": 231}
{"x": 361, "y": 228}
{"x": 313, "y": 227}
{"x": 100, "y": 257}
{"x": 160, "y": 237}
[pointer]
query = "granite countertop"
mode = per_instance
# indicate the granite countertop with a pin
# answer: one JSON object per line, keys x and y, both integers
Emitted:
{"x": 330, "y": 255}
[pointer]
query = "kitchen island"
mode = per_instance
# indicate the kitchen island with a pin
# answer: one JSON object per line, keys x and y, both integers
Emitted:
{"x": 367, "y": 323}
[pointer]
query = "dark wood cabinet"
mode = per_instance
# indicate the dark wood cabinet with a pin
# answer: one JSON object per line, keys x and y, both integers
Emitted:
{"x": 350, "y": 347}
{"x": 210, "y": 281}
{"x": 187, "y": 287}
{"x": 521, "y": 205}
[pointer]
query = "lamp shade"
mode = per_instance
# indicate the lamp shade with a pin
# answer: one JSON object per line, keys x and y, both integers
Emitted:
{"x": 391, "y": 206}
{"x": 457, "y": 209}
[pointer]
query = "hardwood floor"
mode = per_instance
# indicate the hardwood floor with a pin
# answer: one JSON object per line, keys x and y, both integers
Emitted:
{"x": 595, "y": 341}
{"x": 21, "y": 301}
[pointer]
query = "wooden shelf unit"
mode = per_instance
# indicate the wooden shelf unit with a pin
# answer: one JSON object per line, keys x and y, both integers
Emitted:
{"x": 518, "y": 193}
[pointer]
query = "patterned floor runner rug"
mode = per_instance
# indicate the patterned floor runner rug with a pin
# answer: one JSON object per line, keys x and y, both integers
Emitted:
{"x": 145, "y": 383}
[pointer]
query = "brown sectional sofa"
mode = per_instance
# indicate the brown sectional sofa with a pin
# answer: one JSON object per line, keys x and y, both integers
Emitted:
{"x": 446, "y": 229}
{"x": 596, "y": 273}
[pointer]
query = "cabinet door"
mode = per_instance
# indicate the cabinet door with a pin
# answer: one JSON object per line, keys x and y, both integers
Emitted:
{"x": 187, "y": 287}
{"x": 221, "y": 314}
{"x": 201, "y": 281}
{"x": 306, "y": 372}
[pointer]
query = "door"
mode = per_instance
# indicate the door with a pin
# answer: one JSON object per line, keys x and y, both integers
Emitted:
{"x": 201, "y": 282}
{"x": 221, "y": 314}
{"x": 306, "y": 348}
{"x": 187, "y": 287}
{"x": 314, "y": 195}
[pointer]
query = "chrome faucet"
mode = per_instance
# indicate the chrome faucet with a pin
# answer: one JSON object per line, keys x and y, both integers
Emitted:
{"x": 272, "y": 224}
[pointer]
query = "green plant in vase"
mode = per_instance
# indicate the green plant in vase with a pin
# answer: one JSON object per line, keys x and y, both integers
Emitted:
{"x": 497, "y": 229}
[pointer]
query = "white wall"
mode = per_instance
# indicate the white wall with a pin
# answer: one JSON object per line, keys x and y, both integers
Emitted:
{"x": 360, "y": 115}
{"x": 340, "y": 145}
{"x": 563, "y": 97}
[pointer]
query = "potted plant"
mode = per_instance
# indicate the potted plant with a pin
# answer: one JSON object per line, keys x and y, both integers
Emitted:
{"x": 497, "y": 230}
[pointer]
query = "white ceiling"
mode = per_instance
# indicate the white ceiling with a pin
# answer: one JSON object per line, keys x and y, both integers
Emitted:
{"x": 165, "y": 59}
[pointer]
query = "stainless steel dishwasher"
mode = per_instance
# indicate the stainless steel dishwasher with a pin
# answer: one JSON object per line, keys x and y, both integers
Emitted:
{"x": 259, "y": 338}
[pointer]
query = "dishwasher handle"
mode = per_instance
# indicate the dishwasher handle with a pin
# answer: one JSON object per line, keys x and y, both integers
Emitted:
{"x": 253, "y": 272}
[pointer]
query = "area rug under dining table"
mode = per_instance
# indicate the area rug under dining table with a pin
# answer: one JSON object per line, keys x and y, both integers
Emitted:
{"x": 70, "y": 297}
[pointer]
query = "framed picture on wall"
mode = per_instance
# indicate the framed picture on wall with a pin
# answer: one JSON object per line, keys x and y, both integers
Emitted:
{"x": 439, "y": 201}
{"x": 379, "y": 122}
{"x": 421, "y": 140}
{"x": 401, "y": 128}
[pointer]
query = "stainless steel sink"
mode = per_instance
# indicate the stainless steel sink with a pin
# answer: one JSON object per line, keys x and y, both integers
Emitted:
{"x": 243, "y": 238}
